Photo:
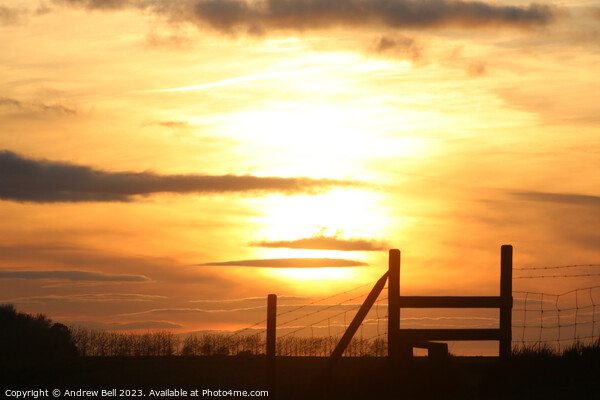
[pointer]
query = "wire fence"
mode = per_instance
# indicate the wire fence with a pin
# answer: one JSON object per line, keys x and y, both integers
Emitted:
{"x": 539, "y": 318}
{"x": 314, "y": 328}
{"x": 557, "y": 320}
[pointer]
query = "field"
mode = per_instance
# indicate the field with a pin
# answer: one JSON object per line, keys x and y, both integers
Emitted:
{"x": 529, "y": 375}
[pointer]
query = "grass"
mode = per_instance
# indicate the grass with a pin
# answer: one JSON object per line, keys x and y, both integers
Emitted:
{"x": 534, "y": 372}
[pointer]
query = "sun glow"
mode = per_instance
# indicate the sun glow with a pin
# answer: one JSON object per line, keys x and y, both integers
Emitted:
{"x": 315, "y": 274}
{"x": 349, "y": 212}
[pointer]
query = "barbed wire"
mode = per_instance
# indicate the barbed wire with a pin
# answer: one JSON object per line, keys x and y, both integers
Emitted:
{"x": 555, "y": 267}
{"x": 239, "y": 332}
{"x": 323, "y": 299}
{"x": 556, "y": 276}
{"x": 321, "y": 310}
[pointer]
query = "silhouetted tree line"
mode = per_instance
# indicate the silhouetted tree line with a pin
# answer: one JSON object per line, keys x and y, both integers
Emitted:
{"x": 163, "y": 343}
{"x": 33, "y": 335}
{"x": 28, "y": 335}
{"x": 91, "y": 342}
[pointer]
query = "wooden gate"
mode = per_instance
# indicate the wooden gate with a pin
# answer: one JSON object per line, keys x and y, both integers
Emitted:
{"x": 402, "y": 341}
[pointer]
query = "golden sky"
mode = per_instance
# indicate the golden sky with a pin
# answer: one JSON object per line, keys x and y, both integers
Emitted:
{"x": 149, "y": 146}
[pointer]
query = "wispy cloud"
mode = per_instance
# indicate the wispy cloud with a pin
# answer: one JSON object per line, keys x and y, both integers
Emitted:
{"x": 325, "y": 243}
{"x": 246, "y": 300}
{"x": 118, "y": 326}
{"x": 192, "y": 310}
{"x": 170, "y": 124}
{"x": 72, "y": 276}
{"x": 35, "y": 106}
{"x": 188, "y": 310}
{"x": 288, "y": 263}
{"x": 41, "y": 181}
{"x": 242, "y": 79}
{"x": 99, "y": 297}
{"x": 564, "y": 198}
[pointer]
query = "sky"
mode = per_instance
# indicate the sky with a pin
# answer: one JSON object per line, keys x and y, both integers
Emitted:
{"x": 166, "y": 165}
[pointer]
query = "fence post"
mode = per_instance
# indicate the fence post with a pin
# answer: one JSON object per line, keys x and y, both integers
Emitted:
{"x": 394, "y": 304}
{"x": 271, "y": 335}
{"x": 506, "y": 263}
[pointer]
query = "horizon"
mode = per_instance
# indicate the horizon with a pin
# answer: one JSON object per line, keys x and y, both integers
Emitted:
{"x": 169, "y": 165}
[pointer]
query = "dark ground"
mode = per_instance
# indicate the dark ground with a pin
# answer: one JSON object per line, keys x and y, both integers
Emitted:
{"x": 297, "y": 377}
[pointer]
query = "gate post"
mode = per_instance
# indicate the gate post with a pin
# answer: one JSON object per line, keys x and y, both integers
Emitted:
{"x": 271, "y": 332}
{"x": 506, "y": 264}
{"x": 394, "y": 304}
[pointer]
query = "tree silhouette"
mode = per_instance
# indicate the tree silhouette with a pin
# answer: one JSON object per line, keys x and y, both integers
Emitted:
{"x": 28, "y": 335}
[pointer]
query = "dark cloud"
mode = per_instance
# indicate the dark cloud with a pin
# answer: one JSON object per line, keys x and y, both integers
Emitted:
{"x": 225, "y": 15}
{"x": 72, "y": 276}
{"x": 117, "y": 326}
{"x": 261, "y": 16}
{"x": 288, "y": 263}
{"x": 9, "y": 15}
{"x": 23, "y": 179}
{"x": 104, "y": 4}
{"x": 567, "y": 218}
{"x": 325, "y": 243}
{"x": 35, "y": 106}
{"x": 399, "y": 46}
{"x": 564, "y": 198}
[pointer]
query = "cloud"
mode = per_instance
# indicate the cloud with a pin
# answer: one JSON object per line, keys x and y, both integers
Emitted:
{"x": 9, "y": 16}
{"x": 99, "y": 297}
{"x": 103, "y": 4}
{"x": 171, "y": 124}
{"x": 288, "y": 263}
{"x": 259, "y": 308}
{"x": 188, "y": 310}
{"x": 50, "y": 181}
{"x": 563, "y": 198}
{"x": 260, "y": 16}
{"x": 325, "y": 243}
{"x": 35, "y": 106}
{"x": 476, "y": 68}
{"x": 117, "y": 326}
{"x": 226, "y": 15}
{"x": 399, "y": 46}
{"x": 567, "y": 218}
{"x": 158, "y": 269}
{"x": 258, "y": 300}
{"x": 72, "y": 276}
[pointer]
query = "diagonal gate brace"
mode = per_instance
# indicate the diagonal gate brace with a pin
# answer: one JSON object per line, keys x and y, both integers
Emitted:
{"x": 355, "y": 324}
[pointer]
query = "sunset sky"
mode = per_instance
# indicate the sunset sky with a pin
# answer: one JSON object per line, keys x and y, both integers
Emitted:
{"x": 167, "y": 164}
